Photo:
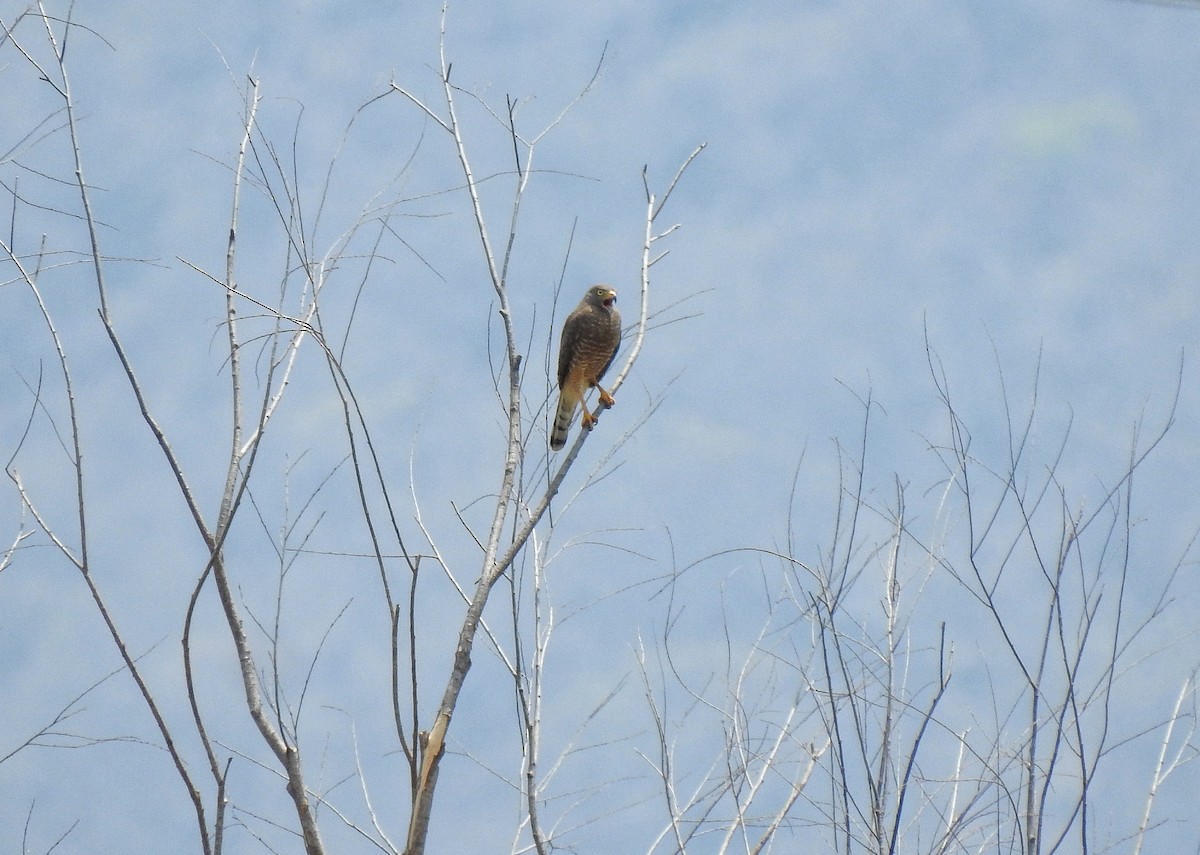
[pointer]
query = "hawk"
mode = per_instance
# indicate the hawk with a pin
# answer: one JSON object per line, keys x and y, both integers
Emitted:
{"x": 590, "y": 337}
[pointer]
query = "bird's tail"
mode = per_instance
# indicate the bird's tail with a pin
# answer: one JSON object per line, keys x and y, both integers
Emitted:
{"x": 562, "y": 422}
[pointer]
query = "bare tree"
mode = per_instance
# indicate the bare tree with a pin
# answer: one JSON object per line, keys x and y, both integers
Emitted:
{"x": 841, "y": 720}
{"x": 519, "y": 506}
{"x": 948, "y": 669}
{"x": 267, "y": 332}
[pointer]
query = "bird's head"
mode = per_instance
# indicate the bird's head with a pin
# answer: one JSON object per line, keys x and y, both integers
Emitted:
{"x": 602, "y": 295}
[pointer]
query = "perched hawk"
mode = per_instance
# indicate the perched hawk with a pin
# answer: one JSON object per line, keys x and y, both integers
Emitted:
{"x": 590, "y": 337}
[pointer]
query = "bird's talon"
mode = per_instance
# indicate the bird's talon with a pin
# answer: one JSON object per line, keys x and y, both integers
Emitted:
{"x": 606, "y": 399}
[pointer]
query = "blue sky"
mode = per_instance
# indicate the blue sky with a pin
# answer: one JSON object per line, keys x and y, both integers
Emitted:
{"x": 1016, "y": 181}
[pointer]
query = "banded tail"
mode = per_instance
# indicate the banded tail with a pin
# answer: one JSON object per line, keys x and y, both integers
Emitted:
{"x": 562, "y": 422}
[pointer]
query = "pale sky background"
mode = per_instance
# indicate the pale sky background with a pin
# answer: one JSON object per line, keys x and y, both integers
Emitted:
{"x": 1007, "y": 178}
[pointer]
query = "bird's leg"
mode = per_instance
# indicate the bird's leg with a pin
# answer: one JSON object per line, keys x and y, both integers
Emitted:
{"x": 587, "y": 419}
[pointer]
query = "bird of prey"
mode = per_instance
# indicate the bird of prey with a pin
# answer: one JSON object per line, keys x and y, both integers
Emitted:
{"x": 590, "y": 337}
